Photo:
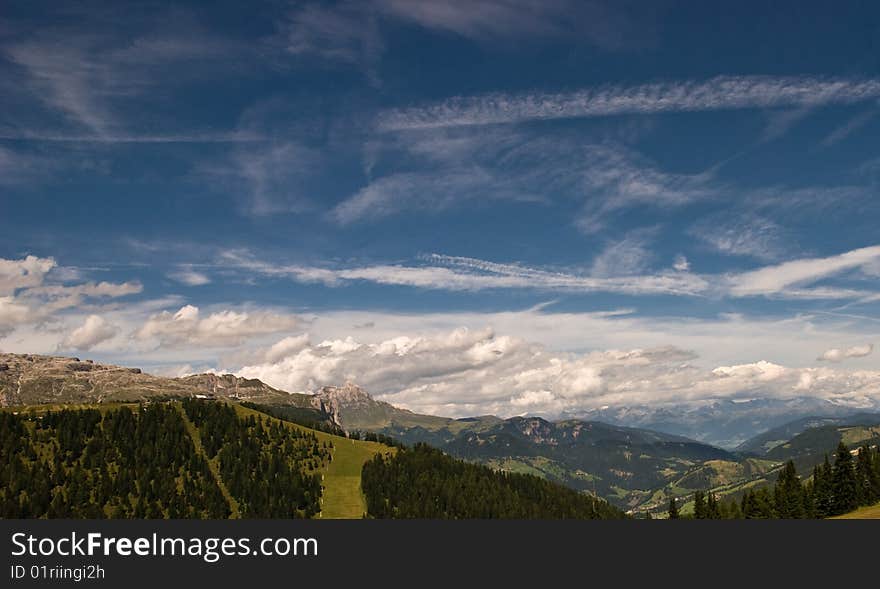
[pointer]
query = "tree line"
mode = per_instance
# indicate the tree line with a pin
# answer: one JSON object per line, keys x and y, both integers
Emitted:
{"x": 423, "y": 482}
{"x": 832, "y": 489}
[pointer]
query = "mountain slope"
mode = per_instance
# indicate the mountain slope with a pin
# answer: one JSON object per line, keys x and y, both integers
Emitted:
{"x": 727, "y": 424}
{"x": 29, "y": 379}
{"x": 767, "y": 441}
{"x": 180, "y": 459}
{"x": 620, "y": 463}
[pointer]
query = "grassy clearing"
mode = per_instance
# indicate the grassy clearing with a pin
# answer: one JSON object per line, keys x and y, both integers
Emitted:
{"x": 343, "y": 498}
{"x": 213, "y": 463}
{"x": 870, "y": 512}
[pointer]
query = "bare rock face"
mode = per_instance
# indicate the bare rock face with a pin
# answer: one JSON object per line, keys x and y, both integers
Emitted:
{"x": 234, "y": 387}
{"x": 347, "y": 399}
{"x": 29, "y": 379}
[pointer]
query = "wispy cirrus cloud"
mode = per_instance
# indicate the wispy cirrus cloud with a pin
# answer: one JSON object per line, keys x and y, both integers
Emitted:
{"x": 351, "y": 32}
{"x": 787, "y": 276}
{"x": 719, "y": 93}
{"x": 849, "y": 127}
{"x": 795, "y": 279}
{"x": 732, "y": 233}
{"x": 436, "y": 169}
{"x": 91, "y": 71}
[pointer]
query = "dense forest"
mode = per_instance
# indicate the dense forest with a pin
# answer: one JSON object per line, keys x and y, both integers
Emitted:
{"x": 142, "y": 462}
{"x": 119, "y": 463}
{"x": 268, "y": 468}
{"x": 831, "y": 490}
{"x": 422, "y": 482}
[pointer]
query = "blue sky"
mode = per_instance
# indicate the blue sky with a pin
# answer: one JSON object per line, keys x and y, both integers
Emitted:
{"x": 511, "y": 206}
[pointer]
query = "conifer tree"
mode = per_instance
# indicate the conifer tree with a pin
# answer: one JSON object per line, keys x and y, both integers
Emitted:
{"x": 699, "y": 505}
{"x": 843, "y": 484}
{"x": 673, "y": 509}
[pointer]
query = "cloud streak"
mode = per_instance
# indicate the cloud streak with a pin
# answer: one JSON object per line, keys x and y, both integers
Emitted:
{"x": 719, "y": 93}
{"x": 794, "y": 279}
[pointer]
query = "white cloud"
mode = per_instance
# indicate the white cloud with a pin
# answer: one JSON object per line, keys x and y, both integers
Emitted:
{"x": 436, "y": 169}
{"x": 607, "y": 26}
{"x": 616, "y": 179}
{"x": 94, "y": 331}
{"x": 32, "y": 291}
{"x": 269, "y": 177}
{"x": 741, "y": 235}
{"x": 626, "y": 257}
{"x": 681, "y": 263}
{"x": 779, "y": 278}
{"x": 470, "y": 274}
{"x": 789, "y": 280}
{"x": 349, "y": 31}
{"x": 720, "y": 93}
{"x": 83, "y": 70}
{"x": 189, "y": 277}
{"x": 346, "y": 33}
{"x": 28, "y": 272}
{"x": 838, "y": 355}
{"x": 13, "y": 313}
{"x": 222, "y": 328}
{"x": 851, "y": 126}
{"x": 470, "y": 372}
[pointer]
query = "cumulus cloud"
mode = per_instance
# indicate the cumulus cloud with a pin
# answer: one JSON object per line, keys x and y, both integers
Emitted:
{"x": 681, "y": 263}
{"x": 838, "y": 355}
{"x": 94, "y": 331}
{"x": 33, "y": 289}
{"x": 187, "y": 326}
{"x": 476, "y": 371}
{"x": 28, "y": 272}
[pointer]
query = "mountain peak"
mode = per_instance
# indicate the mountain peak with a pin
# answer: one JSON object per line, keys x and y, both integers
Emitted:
{"x": 347, "y": 394}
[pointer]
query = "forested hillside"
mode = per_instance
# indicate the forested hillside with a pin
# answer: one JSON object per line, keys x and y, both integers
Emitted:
{"x": 832, "y": 489}
{"x": 423, "y": 482}
{"x": 143, "y": 462}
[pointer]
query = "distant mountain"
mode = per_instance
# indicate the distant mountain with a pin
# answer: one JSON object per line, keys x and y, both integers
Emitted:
{"x": 620, "y": 463}
{"x": 727, "y": 424}
{"x": 764, "y": 443}
{"x": 810, "y": 446}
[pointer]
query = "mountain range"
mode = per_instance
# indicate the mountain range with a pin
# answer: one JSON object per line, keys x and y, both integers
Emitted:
{"x": 637, "y": 468}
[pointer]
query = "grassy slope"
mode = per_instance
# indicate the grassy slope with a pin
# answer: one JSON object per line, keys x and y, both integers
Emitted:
{"x": 870, "y": 512}
{"x": 343, "y": 498}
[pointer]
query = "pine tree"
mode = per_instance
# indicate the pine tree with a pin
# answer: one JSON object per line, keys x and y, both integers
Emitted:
{"x": 673, "y": 509}
{"x": 712, "y": 509}
{"x": 843, "y": 485}
{"x": 699, "y": 505}
{"x": 789, "y": 493}
{"x": 823, "y": 498}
